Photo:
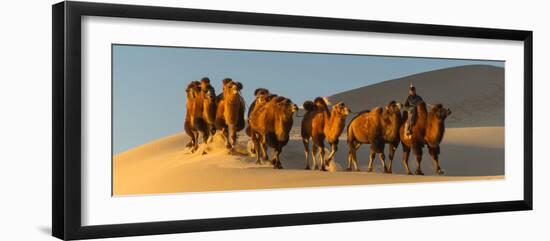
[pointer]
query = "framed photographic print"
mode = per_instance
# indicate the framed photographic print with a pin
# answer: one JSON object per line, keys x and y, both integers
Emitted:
{"x": 169, "y": 120}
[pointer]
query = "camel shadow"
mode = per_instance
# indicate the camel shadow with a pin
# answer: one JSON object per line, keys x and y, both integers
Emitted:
{"x": 456, "y": 160}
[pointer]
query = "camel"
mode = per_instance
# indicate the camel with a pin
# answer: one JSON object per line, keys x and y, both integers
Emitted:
{"x": 428, "y": 129}
{"x": 270, "y": 126}
{"x": 230, "y": 111}
{"x": 262, "y": 96}
{"x": 320, "y": 123}
{"x": 208, "y": 96}
{"x": 376, "y": 127}
{"x": 194, "y": 123}
{"x": 391, "y": 122}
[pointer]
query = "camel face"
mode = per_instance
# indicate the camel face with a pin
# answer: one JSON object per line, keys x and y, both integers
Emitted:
{"x": 232, "y": 88}
{"x": 441, "y": 112}
{"x": 192, "y": 90}
{"x": 209, "y": 94}
{"x": 393, "y": 107}
{"x": 262, "y": 96}
{"x": 287, "y": 106}
{"x": 342, "y": 109}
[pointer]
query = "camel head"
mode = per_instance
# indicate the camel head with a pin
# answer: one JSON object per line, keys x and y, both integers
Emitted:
{"x": 393, "y": 107}
{"x": 262, "y": 95}
{"x": 440, "y": 112}
{"x": 341, "y": 109}
{"x": 209, "y": 93}
{"x": 205, "y": 83}
{"x": 232, "y": 88}
{"x": 193, "y": 89}
{"x": 286, "y": 105}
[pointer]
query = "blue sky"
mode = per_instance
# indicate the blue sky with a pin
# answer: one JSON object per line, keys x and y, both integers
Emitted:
{"x": 149, "y": 82}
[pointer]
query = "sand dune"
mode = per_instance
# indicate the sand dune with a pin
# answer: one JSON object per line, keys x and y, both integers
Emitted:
{"x": 475, "y": 94}
{"x": 165, "y": 166}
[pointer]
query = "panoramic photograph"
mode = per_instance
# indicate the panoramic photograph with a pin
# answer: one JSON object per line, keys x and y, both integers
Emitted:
{"x": 208, "y": 120}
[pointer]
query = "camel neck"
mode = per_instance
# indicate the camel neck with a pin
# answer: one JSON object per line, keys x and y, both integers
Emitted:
{"x": 334, "y": 125}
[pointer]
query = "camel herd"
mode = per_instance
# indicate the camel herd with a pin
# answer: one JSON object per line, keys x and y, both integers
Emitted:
{"x": 270, "y": 120}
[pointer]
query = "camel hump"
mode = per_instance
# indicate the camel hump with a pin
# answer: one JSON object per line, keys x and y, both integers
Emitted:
{"x": 321, "y": 103}
{"x": 308, "y": 105}
{"x": 376, "y": 110}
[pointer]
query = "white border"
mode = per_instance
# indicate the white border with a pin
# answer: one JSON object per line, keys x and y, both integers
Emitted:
{"x": 100, "y": 208}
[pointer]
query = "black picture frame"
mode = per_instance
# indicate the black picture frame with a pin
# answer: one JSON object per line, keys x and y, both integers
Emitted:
{"x": 66, "y": 158}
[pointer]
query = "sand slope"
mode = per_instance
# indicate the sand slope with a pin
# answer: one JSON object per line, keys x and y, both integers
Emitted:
{"x": 165, "y": 166}
{"x": 475, "y": 94}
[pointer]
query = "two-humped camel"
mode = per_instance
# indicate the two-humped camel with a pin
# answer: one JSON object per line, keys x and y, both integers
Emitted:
{"x": 376, "y": 127}
{"x": 428, "y": 129}
{"x": 230, "y": 112}
{"x": 320, "y": 124}
{"x": 270, "y": 126}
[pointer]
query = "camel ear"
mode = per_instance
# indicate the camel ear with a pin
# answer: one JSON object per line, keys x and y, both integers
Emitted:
{"x": 239, "y": 86}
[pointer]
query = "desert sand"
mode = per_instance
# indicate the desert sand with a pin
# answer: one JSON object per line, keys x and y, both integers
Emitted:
{"x": 165, "y": 166}
{"x": 473, "y": 147}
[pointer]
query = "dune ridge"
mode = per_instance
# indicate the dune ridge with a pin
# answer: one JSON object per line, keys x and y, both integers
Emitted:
{"x": 475, "y": 93}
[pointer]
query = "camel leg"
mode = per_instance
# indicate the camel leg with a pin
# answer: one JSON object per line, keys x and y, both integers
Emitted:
{"x": 383, "y": 161}
{"x": 256, "y": 148}
{"x": 353, "y": 150}
{"x": 434, "y": 152}
{"x": 226, "y": 136}
{"x": 333, "y": 149}
{"x": 322, "y": 156}
{"x": 350, "y": 154}
{"x": 211, "y": 133}
{"x": 405, "y": 161}
{"x": 306, "y": 152}
{"x": 264, "y": 150}
{"x": 196, "y": 141}
{"x": 418, "y": 155}
{"x": 391, "y": 153}
{"x": 263, "y": 146}
{"x": 205, "y": 136}
{"x": 191, "y": 142}
{"x": 314, "y": 155}
{"x": 277, "y": 162}
{"x": 372, "y": 155}
{"x": 232, "y": 137}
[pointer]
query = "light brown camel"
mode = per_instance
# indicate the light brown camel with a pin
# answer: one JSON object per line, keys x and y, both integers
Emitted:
{"x": 230, "y": 112}
{"x": 428, "y": 129}
{"x": 366, "y": 128}
{"x": 375, "y": 127}
{"x": 320, "y": 124}
{"x": 391, "y": 123}
{"x": 262, "y": 96}
{"x": 270, "y": 126}
{"x": 208, "y": 96}
{"x": 194, "y": 122}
